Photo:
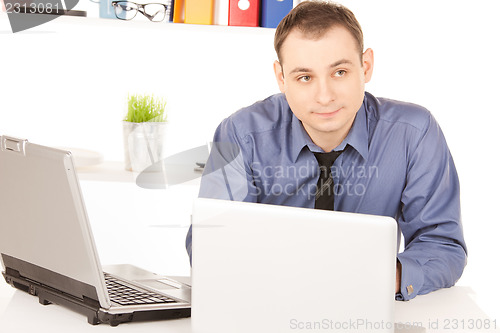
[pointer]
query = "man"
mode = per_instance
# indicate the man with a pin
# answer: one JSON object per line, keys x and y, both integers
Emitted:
{"x": 389, "y": 158}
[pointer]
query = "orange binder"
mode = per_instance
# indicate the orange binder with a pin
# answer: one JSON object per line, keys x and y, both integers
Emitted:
{"x": 178, "y": 11}
{"x": 199, "y": 11}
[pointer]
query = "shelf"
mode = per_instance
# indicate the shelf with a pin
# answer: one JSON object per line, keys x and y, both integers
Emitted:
{"x": 114, "y": 171}
{"x": 92, "y": 23}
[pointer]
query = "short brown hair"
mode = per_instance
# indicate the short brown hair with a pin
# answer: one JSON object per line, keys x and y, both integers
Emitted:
{"x": 314, "y": 19}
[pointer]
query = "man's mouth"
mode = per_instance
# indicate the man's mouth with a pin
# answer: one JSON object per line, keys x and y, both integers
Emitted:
{"x": 327, "y": 114}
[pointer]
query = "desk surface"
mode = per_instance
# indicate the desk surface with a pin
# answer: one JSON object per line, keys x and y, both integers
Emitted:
{"x": 448, "y": 310}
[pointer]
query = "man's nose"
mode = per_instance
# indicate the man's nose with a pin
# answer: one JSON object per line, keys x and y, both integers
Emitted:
{"x": 325, "y": 92}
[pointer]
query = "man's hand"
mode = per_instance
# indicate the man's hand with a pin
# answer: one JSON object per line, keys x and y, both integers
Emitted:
{"x": 398, "y": 277}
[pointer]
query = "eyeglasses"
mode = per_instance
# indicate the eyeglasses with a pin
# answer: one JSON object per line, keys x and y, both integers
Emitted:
{"x": 155, "y": 12}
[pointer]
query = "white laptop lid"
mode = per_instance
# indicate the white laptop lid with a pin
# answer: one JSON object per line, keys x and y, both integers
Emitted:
{"x": 43, "y": 218}
{"x": 266, "y": 268}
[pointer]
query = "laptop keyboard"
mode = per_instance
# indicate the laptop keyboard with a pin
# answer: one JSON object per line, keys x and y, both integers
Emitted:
{"x": 124, "y": 293}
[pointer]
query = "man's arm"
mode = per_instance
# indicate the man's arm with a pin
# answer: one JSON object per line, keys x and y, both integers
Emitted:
{"x": 435, "y": 253}
{"x": 227, "y": 173}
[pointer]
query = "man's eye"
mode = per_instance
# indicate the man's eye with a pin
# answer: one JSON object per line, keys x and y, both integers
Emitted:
{"x": 305, "y": 78}
{"x": 340, "y": 73}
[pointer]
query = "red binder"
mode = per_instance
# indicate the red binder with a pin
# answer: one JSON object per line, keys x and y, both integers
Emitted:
{"x": 244, "y": 13}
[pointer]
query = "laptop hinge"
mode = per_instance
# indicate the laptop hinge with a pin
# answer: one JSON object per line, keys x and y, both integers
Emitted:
{"x": 91, "y": 302}
{"x": 13, "y": 144}
{"x": 12, "y": 272}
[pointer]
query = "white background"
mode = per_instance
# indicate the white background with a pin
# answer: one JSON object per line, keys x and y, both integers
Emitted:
{"x": 65, "y": 84}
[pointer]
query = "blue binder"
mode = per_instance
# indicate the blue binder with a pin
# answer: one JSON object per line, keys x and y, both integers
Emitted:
{"x": 106, "y": 9}
{"x": 273, "y": 12}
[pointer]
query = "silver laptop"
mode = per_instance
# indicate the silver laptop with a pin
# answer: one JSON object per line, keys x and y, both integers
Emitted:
{"x": 47, "y": 247}
{"x": 267, "y": 268}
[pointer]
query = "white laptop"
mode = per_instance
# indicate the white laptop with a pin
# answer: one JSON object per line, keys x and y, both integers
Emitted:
{"x": 47, "y": 248}
{"x": 266, "y": 268}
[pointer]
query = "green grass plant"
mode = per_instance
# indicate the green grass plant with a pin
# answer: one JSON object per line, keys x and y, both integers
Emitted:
{"x": 145, "y": 108}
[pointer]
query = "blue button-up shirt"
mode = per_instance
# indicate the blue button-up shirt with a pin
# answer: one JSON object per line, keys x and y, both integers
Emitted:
{"x": 395, "y": 163}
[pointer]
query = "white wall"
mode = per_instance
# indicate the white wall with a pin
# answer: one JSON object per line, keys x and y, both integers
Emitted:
{"x": 65, "y": 83}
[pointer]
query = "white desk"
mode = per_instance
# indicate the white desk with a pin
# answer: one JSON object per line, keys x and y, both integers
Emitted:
{"x": 447, "y": 310}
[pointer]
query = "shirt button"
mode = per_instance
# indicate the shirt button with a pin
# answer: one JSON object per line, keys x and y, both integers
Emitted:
{"x": 409, "y": 289}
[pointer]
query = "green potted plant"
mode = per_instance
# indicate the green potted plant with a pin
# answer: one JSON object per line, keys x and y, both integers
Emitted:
{"x": 144, "y": 131}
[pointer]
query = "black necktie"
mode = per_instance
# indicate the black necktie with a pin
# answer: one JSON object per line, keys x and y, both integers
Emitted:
{"x": 325, "y": 189}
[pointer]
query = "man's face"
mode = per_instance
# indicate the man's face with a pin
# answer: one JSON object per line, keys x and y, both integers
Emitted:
{"x": 324, "y": 82}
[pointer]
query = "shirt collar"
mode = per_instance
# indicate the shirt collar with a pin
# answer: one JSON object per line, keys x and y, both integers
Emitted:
{"x": 358, "y": 134}
{"x": 300, "y": 138}
{"x": 356, "y": 138}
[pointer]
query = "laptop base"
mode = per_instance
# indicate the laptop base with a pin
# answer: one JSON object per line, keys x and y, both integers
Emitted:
{"x": 88, "y": 307}
{"x": 47, "y": 296}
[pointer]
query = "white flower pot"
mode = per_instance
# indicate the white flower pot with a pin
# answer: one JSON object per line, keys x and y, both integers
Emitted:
{"x": 144, "y": 144}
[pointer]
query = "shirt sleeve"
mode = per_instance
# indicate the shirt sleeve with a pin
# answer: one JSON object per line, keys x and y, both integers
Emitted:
{"x": 227, "y": 173}
{"x": 435, "y": 253}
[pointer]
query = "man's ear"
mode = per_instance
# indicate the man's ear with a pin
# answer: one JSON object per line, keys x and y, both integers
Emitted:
{"x": 368, "y": 64}
{"x": 278, "y": 72}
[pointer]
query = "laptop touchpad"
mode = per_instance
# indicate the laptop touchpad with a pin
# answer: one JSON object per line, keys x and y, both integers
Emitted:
{"x": 159, "y": 284}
